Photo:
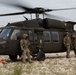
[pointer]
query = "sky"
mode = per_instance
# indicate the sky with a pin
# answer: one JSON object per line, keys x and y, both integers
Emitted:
{"x": 51, "y": 4}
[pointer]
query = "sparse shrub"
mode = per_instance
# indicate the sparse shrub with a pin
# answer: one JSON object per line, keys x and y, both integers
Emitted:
{"x": 17, "y": 70}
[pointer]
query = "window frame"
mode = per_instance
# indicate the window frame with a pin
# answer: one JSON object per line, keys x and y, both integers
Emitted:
{"x": 31, "y": 38}
{"x": 55, "y": 39}
{"x": 5, "y": 35}
{"x": 47, "y": 40}
{"x": 12, "y": 37}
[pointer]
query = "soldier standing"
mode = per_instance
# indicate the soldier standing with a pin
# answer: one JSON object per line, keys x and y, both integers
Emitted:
{"x": 24, "y": 43}
{"x": 67, "y": 44}
{"x": 74, "y": 45}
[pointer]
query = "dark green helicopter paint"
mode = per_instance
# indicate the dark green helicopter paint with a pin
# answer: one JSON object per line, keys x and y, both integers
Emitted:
{"x": 46, "y": 31}
{"x": 50, "y": 31}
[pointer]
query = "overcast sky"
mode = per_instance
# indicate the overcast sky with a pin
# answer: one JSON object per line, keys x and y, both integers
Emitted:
{"x": 51, "y": 4}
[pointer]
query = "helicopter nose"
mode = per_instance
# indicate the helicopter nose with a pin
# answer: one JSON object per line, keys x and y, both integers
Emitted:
{"x": 2, "y": 44}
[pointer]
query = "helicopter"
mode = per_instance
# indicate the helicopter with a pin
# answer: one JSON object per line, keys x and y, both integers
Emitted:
{"x": 45, "y": 32}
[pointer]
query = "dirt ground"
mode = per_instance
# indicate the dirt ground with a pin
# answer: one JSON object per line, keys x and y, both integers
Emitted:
{"x": 54, "y": 64}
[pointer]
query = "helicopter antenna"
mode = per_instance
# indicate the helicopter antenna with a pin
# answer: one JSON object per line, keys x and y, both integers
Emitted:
{"x": 37, "y": 15}
{"x": 43, "y": 15}
{"x": 25, "y": 17}
{"x": 31, "y": 16}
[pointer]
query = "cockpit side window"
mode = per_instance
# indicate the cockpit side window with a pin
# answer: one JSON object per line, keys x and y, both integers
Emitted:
{"x": 5, "y": 33}
{"x": 15, "y": 35}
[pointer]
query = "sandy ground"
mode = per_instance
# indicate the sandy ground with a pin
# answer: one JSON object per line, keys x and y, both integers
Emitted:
{"x": 54, "y": 64}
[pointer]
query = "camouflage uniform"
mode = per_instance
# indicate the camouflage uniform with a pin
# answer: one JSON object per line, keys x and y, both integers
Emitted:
{"x": 74, "y": 45}
{"x": 24, "y": 43}
{"x": 67, "y": 43}
{"x": 72, "y": 39}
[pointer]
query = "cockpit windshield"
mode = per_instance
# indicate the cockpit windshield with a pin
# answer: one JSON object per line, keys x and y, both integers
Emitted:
{"x": 5, "y": 33}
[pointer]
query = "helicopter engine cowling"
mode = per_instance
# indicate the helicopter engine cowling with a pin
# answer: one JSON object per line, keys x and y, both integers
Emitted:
{"x": 52, "y": 23}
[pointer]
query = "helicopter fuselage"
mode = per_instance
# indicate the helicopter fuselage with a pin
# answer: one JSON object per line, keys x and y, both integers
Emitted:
{"x": 39, "y": 31}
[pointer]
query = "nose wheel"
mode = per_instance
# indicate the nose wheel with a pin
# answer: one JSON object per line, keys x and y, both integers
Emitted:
{"x": 13, "y": 57}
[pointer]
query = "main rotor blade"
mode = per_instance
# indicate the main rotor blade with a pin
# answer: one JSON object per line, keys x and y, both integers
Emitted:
{"x": 26, "y": 8}
{"x": 9, "y": 14}
{"x": 48, "y": 10}
{"x": 18, "y": 6}
{"x": 35, "y": 10}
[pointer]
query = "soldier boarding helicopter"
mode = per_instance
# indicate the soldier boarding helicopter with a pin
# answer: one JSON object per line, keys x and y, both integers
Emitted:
{"x": 45, "y": 35}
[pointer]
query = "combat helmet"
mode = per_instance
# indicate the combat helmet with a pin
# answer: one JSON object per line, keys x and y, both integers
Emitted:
{"x": 25, "y": 35}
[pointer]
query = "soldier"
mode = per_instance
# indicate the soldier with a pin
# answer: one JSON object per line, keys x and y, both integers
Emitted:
{"x": 24, "y": 43}
{"x": 67, "y": 44}
{"x": 73, "y": 35}
{"x": 74, "y": 45}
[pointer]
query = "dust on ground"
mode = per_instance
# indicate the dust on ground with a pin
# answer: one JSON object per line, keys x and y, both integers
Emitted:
{"x": 54, "y": 64}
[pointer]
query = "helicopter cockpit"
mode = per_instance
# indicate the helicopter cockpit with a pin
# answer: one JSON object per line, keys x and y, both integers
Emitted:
{"x": 9, "y": 32}
{"x": 5, "y": 33}
{"x": 8, "y": 36}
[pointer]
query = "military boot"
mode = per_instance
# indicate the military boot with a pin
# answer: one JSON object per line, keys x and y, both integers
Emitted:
{"x": 23, "y": 61}
{"x": 30, "y": 61}
{"x": 67, "y": 55}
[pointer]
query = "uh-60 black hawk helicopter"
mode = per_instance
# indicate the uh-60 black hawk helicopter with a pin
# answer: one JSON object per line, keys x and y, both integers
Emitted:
{"x": 49, "y": 32}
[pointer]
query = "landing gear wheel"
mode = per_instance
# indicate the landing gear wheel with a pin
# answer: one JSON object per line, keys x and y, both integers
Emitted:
{"x": 40, "y": 56}
{"x": 13, "y": 57}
